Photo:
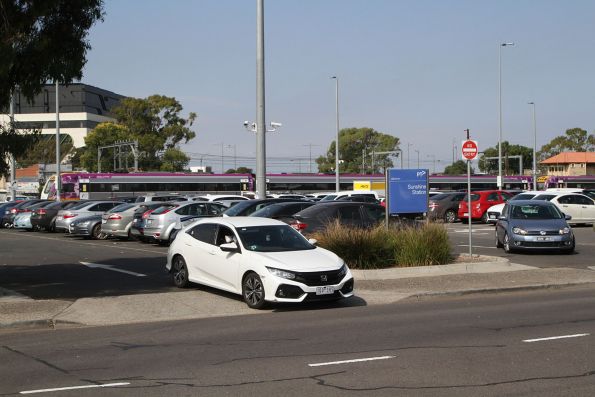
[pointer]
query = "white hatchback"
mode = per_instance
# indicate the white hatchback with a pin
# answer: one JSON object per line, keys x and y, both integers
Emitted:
{"x": 262, "y": 259}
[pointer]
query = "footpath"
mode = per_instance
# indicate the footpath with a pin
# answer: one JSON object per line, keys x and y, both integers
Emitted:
{"x": 372, "y": 287}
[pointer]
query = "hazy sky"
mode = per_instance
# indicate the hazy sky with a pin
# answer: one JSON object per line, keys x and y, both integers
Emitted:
{"x": 420, "y": 70}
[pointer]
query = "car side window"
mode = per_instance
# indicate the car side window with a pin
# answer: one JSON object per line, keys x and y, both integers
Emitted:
{"x": 505, "y": 210}
{"x": 584, "y": 200}
{"x": 216, "y": 209}
{"x": 374, "y": 213}
{"x": 185, "y": 210}
{"x": 493, "y": 197}
{"x": 505, "y": 196}
{"x": 225, "y": 235}
{"x": 350, "y": 213}
{"x": 566, "y": 200}
{"x": 458, "y": 197}
{"x": 204, "y": 232}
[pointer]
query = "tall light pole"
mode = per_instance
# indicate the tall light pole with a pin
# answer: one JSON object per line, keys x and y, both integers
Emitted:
{"x": 500, "y": 112}
{"x": 13, "y": 165}
{"x": 534, "y": 147}
{"x": 337, "y": 137}
{"x": 261, "y": 184}
{"x": 58, "y": 179}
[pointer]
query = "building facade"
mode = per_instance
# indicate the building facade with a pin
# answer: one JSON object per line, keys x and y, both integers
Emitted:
{"x": 570, "y": 164}
{"x": 82, "y": 107}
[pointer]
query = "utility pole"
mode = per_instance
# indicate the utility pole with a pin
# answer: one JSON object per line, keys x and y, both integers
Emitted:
{"x": 58, "y": 178}
{"x": 261, "y": 184}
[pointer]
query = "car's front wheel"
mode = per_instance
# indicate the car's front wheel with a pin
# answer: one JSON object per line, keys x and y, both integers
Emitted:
{"x": 450, "y": 216}
{"x": 179, "y": 272}
{"x": 253, "y": 291}
{"x": 96, "y": 232}
{"x": 506, "y": 243}
{"x": 498, "y": 243}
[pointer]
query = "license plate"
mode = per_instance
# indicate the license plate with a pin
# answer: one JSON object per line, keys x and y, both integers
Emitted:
{"x": 543, "y": 238}
{"x": 326, "y": 290}
{"x": 466, "y": 214}
{"x": 492, "y": 216}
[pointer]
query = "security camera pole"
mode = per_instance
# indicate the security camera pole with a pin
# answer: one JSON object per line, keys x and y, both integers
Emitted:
{"x": 260, "y": 105}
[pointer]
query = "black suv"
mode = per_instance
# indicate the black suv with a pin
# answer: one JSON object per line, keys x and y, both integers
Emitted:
{"x": 349, "y": 213}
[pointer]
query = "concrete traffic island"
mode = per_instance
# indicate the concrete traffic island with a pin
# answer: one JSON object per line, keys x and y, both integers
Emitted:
{"x": 481, "y": 275}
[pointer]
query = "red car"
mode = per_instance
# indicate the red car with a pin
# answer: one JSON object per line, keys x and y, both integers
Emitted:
{"x": 480, "y": 202}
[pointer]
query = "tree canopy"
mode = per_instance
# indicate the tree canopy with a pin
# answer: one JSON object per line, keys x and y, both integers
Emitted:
{"x": 355, "y": 149}
{"x": 154, "y": 122}
{"x": 573, "y": 140}
{"x": 457, "y": 168}
{"x": 239, "y": 170}
{"x": 509, "y": 166}
{"x": 40, "y": 41}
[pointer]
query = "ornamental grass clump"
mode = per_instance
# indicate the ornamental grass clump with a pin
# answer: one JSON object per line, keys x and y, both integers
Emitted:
{"x": 378, "y": 248}
{"x": 425, "y": 245}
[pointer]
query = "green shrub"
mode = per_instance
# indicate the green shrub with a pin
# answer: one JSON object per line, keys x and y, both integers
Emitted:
{"x": 380, "y": 248}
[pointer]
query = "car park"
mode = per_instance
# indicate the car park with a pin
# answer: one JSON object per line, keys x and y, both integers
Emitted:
{"x": 246, "y": 208}
{"x": 351, "y": 214}
{"x": 495, "y": 210}
{"x": 22, "y": 220}
{"x": 480, "y": 202}
{"x": 65, "y": 217}
{"x": 162, "y": 221}
{"x": 445, "y": 206}
{"x": 580, "y": 207}
{"x": 282, "y": 211}
{"x": 23, "y": 206}
{"x": 86, "y": 226}
{"x": 534, "y": 224}
{"x": 263, "y": 260}
{"x": 45, "y": 217}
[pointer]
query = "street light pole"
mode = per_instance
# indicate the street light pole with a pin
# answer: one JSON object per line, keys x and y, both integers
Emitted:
{"x": 261, "y": 185}
{"x": 58, "y": 178}
{"x": 337, "y": 137}
{"x": 500, "y": 112}
{"x": 13, "y": 165}
{"x": 534, "y": 147}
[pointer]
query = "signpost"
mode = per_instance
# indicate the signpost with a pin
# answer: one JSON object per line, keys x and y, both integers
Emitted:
{"x": 469, "y": 151}
{"x": 407, "y": 191}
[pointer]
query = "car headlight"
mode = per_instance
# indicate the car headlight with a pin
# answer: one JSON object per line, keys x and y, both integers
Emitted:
{"x": 518, "y": 230}
{"x": 566, "y": 230}
{"x": 342, "y": 271}
{"x": 281, "y": 273}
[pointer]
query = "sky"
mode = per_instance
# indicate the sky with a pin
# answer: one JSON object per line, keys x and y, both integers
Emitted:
{"x": 420, "y": 70}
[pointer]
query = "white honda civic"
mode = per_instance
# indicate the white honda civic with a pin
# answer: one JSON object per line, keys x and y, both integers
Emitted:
{"x": 262, "y": 259}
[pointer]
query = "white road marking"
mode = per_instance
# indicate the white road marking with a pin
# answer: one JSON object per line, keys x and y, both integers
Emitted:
{"x": 351, "y": 361}
{"x": 474, "y": 230}
{"x": 555, "y": 337}
{"x": 475, "y": 246}
{"x": 110, "y": 267}
{"x": 74, "y": 388}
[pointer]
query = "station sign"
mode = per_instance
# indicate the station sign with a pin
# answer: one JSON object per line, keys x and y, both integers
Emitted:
{"x": 407, "y": 191}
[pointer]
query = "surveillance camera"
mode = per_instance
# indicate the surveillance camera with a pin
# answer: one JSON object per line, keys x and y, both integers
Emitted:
{"x": 275, "y": 125}
{"x": 246, "y": 123}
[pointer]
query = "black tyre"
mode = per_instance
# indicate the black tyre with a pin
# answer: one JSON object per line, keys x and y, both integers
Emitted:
{"x": 506, "y": 244}
{"x": 253, "y": 291}
{"x": 450, "y": 216}
{"x": 570, "y": 250}
{"x": 179, "y": 272}
{"x": 96, "y": 232}
{"x": 484, "y": 217}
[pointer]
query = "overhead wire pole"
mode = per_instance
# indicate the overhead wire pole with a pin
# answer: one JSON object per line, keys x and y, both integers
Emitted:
{"x": 260, "y": 103}
{"x": 337, "y": 162}
{"x": 58, "y": 178}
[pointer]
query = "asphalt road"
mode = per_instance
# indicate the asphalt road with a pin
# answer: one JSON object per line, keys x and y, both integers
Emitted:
{"x": 484, "y": 243}
{"x": 521, "y": 344}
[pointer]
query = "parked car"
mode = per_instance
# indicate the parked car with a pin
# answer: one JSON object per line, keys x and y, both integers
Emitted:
{"x": 219, "y": 197}
{"x": 264, "y": 260}
{"x": 87, "y": 208}
{"x": 22, "y": 220}
{"x": 23, "y": 206}
{"x": 352, "y": 214}
{"x": 162, "y": 198}
{"x": 139, "y": 218}
{"x": 533, "y": 224}
{"x": 86, "y": 226}
{"x": 360, "y": 198}
{"x": 282, "y": 211}
{"x": 248, "y": 207}
{"x": 495, "y": 210}
{"x": 117, "y": 222}
{"x": 162, "y": 221}
{"x": 287, "y": 196}
{"x": 580, "y": 207}
{"x": 5, "y": 211}
{"x": 45, "y": 217}
{"x": 337, "y": 195}
{"x": 480, "y": 202}
{"x": 445, "y": 206}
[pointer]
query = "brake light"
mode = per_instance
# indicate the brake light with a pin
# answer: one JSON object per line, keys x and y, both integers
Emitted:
{"x": 299, "y": 226}
{"x": 41, "y": 212}
{"x": 115, "y": 217}
{"x": 147, "y": 213}
{"x": 68, "y": 216}
{"x": 14, "y": 211}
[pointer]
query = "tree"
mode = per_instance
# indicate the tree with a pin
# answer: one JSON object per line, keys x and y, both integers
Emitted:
{"x": 509, "y": 166}
{"x": 574, "y": 140}
{"x": 44, "y": 151}
{"x": 457, "y": 168}
{"x": 40, "y": 40}
{"x": 154, "y": 122}
{"x": 355, "y": 148}
{"x": 239, "y": 170}
{"x": 174, "y": 160}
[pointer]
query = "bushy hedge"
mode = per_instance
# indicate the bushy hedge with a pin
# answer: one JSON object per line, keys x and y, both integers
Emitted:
{"x": 377, "y": 248}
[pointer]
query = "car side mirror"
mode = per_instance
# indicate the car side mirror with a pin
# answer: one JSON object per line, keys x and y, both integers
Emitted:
{"x": 313, "y": 241}
{"x": 229, "y": 247}
{"x": 567, "y": 217}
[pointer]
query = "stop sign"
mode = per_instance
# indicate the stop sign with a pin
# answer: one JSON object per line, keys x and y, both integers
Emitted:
{"x": 469, "y": 149}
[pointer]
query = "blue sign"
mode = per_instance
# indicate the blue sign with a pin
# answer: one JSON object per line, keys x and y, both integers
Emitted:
{"x": 407, "y": 191}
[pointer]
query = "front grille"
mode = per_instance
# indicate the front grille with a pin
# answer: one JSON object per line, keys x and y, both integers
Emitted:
{"x": 317, "y": 278}
{"x": 312, "y": 297}
{"x": 542, "y": 244}
{"x": 547, "y": 233}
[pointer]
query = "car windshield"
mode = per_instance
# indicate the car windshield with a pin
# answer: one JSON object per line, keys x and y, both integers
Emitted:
{"x": 163, "y": 209}
{"x": 535, "y": 211}
{"x": 523, "y": 196}
{"x": 277, "y": 238}
{"x": 329, "y": 197}
{"x": 439, "y": 197}
{"x": 120, "y": 208}
{"x": 239, "y": 207}
{"x": 474, "y": 197}
{"x": 544, "y": 197}
{"x": 80, "y": 205}
{"x": 267, "y": 211}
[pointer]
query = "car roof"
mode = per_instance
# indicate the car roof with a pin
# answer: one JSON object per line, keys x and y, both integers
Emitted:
{"x": 530, "y": 202}
{"x": 242, "y": 221}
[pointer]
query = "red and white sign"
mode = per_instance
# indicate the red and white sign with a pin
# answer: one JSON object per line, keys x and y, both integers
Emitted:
{"x": 469, "y": 150}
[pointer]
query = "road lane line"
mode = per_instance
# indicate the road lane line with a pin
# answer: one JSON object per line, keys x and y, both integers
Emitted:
{"x": 74, "y": 388}
{"x": 475, "y": 246}
{"x": 110, "y": 267}
{"x": 555, "y": 337}
{"x": 358, "y": 360}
